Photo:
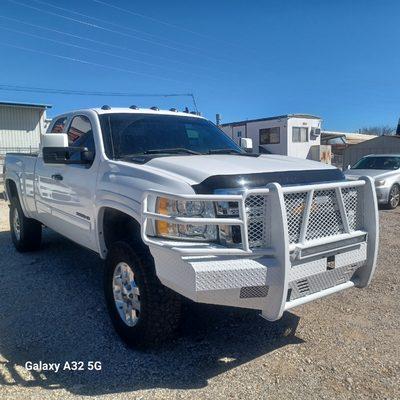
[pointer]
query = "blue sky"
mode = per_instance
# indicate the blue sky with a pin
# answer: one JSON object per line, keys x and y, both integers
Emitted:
{"x": 339, "y": 60}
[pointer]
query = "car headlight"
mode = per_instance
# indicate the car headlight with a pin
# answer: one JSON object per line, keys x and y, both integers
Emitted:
{"x": 183, "y": 208}
{"x": 380, "y": 182}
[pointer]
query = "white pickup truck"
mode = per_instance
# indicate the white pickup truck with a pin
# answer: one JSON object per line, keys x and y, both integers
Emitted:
{"x": 176, "y": 208}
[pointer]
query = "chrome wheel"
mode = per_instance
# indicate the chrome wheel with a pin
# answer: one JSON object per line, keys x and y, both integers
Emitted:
{"x": 394, "y": 196}
{"x": 126, "y": 294}
{"x": 16, "y": 224}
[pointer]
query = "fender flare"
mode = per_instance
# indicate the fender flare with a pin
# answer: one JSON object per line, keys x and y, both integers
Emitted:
{"x": 115, "y": 205}
{"x": 13, "y": 177}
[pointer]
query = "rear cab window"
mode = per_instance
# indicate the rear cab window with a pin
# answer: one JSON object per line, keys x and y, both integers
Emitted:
{"x": 80, "y": 134}
{"x": 59, "y": 125}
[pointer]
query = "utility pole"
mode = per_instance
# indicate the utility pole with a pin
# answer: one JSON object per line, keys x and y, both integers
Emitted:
{"x": 218, "y": 119}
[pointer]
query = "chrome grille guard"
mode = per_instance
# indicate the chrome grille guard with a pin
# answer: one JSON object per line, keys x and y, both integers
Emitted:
{"x": 280, "y": 249}
{"x": 296, "y": 220}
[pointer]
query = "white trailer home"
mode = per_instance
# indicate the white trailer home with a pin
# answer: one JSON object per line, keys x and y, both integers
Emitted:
{"x": 292, "y": 134}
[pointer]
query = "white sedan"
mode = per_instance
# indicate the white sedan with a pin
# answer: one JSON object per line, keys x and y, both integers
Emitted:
{"x": 385, "y": 170}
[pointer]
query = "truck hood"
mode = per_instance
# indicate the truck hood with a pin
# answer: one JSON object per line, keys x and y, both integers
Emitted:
{"x": 373, "y": 173}
{"x": 206, "y": 173}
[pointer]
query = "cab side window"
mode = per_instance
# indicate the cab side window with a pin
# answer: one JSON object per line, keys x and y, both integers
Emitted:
{"x": 59, "y": 125}
{"x": 80, "y": 134}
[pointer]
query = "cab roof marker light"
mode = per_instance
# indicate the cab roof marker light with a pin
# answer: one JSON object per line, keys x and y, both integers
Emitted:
{"x": 154, "y": 108}
{"x": 173, "y": 110}
{"x": 106, "y": 107}
{"x": 133, "y": 107}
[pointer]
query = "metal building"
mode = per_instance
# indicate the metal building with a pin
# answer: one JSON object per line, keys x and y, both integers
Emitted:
{"x": 340, "y": 141}
{"x": 21, "y": 125}
{"x": 378, "y": 145}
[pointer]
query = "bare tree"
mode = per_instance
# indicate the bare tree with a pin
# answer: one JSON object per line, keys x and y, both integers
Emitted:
{"x": 378, "y": 130}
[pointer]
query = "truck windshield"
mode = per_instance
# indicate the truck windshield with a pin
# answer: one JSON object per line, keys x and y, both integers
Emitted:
{"x": 384, "y": 163}
{"x": 128, "y": 135}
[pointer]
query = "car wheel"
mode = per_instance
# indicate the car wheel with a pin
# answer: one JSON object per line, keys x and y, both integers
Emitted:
{"x": 26, "y": 233}
{"x": 144, "y": 312}
{"x": 394, "y": 197}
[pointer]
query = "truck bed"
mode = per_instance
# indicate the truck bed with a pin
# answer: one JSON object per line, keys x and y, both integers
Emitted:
{"x": 21, "y": 168}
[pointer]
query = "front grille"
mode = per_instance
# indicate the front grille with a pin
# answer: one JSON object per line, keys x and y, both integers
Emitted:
{"x": 324, "y": 220}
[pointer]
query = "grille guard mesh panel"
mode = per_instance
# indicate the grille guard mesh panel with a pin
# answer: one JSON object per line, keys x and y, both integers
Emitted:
{"x": 256, "y": 208}
{"x": 325, "y": 218}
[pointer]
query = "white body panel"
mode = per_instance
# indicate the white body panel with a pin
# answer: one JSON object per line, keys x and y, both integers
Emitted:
{"x": 244, "y": 276}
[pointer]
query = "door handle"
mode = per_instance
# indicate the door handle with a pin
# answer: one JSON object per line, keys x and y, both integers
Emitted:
{"x": 57, "y": 177}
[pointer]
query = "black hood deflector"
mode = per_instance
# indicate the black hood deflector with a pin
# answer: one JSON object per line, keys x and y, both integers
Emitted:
{"x": 259, "y": 180}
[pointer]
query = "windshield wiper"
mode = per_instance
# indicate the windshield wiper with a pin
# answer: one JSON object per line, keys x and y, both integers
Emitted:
{"x": 171, "y": 151}
{"x": 224, "y": 151}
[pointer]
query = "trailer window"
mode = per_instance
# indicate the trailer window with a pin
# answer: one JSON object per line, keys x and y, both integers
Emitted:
{"x": 270, "y": 135}
{"x": 299, "y": 134}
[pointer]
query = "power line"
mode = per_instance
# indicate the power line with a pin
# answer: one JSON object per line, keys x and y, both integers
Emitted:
{"x": 87, "y": 62}
{"x": 104, "y": 43}
{"x": 111, "y": 23}
{"x": 169, "y": 24}
{"x": 91, "y": 49}
{"x": 32, "y": 89}
{"x": 95, "y": 26}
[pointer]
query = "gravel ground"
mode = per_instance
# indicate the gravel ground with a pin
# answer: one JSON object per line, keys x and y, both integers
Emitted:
{"x": 52, "y": 310}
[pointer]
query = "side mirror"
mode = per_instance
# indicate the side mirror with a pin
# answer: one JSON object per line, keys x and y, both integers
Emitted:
{"x": 66, "y": 155}
{"x": 246, "y": 144}
{"x": 349, "y": 167}
{"x": 54, "y": 140}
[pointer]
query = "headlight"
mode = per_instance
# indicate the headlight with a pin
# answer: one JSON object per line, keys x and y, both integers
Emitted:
{"x": 183, "y": 208}
{"x": 380, "y": 182}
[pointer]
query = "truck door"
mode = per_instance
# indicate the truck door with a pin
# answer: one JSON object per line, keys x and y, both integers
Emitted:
{"x": 68, "y": 190}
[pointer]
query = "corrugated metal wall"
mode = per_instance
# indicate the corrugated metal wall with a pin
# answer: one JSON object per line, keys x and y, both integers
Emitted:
{"x": 379, "y": 145}
{"x": 20, "y": 127}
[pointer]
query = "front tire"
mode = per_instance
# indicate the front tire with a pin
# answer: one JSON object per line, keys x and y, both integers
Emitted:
{"x": 26, "y": 233}
{"x": 144, "y": 312}
{"x": 394, "y": 197}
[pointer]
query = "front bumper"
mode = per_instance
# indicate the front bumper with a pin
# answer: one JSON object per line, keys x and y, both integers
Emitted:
{"x": 252, "y": 282}
{"x": 274, "y": 278}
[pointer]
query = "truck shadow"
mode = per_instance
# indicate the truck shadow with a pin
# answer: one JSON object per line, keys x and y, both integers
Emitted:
{"x": 52, "y": 310}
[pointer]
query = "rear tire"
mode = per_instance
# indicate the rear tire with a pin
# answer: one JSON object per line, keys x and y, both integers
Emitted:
{"x": 26, "y": 233}
{"x": 144, "y": 312}
{"x": 394, "y": 197}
